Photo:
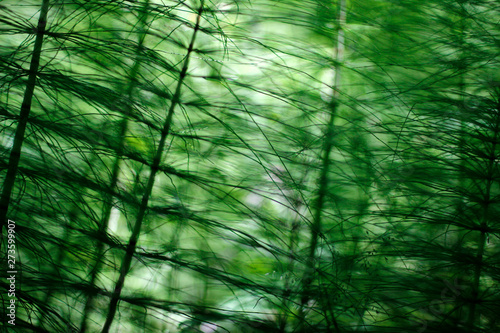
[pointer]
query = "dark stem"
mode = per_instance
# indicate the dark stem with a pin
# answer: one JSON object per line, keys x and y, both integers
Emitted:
{"x": 132, "y": 244}
{"x": 15, "y": 153}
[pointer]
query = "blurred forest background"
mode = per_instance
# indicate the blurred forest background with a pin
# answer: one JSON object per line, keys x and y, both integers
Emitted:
{"x": 251, "y": 165}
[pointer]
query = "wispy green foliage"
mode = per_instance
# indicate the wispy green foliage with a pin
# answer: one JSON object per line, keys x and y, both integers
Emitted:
{"x": 251, "y": 166}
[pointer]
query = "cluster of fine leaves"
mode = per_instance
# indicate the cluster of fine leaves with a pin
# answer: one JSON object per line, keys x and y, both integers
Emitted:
{"x": 251, "y": 166}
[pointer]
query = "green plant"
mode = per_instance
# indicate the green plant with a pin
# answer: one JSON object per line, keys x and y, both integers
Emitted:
{"x": 250, "y": 166}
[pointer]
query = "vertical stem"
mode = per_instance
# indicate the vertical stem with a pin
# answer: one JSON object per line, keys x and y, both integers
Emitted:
{"x": 484, "y": 226}
{"x": 108, "y": 200}
{"x": 287, "y": 289}
{"x": 131, "y": 246}
{"x": 15, "y": 153}
{"x": 463, "y": 161}
{"x": 325, "y": 167}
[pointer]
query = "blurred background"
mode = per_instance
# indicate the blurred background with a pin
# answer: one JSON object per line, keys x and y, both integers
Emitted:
{"x": 251, "y": 166}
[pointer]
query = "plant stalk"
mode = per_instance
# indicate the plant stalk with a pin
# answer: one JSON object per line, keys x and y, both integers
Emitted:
{"x": 316, "y": 226}
{"x": 132, "y": 244}
{"x": 109, "y": 201}
{"x": 484, "y": 226}
{"x": 15, "y": 153}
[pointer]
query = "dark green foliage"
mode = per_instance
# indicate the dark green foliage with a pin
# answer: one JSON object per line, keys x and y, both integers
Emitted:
{"x": 251, "y": 166}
